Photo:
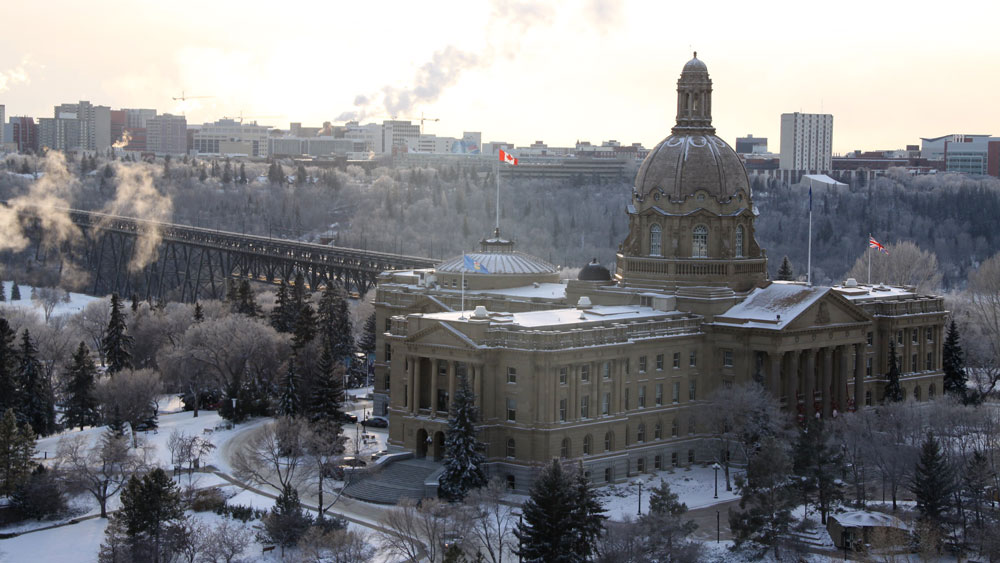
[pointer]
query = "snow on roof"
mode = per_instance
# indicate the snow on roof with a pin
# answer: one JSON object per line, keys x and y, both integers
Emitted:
{"x": 864, "y": 292}
{"x": 499, "y": 263}
{"x": 548, "y": 290}
{"x": 822, "y": 179}
{"x": 763, "y": 306}
{"x": 863, "y": 518}
{"x": 559, "y": 317}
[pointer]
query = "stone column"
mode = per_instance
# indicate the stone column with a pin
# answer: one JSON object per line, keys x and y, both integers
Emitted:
{"x": 412, "y": 377}
{"x": 840, "y": 393}
{"x": 792, "y": 380}
{"x": 452, "y": 382}
{"x": 774, "y": 377}
{"x": 809, "y": 382}
{"x": 477, "y": 377}
{"x": 859, "y": 375}
{"x": 827, "y": 382}
{"x": 435, "y": 370}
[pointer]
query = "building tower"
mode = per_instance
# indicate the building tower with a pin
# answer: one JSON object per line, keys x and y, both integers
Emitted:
{"x": 691, "y": 218}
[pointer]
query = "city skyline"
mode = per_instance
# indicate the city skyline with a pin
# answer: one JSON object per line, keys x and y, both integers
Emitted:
{"x": 516, "y": 71}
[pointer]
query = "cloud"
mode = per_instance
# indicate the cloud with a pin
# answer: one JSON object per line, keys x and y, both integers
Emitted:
{"x": 16, "y": 75}
{"x": 605, "y": 14}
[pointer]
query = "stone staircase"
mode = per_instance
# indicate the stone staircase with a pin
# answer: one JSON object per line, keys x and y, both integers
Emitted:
{"x": 392, "y": 482}
{"x": 813, "y": 537}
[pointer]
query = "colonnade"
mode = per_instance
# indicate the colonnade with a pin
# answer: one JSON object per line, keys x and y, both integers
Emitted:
{"x": 423, "y": 377}
{"x": 818, "y": 373}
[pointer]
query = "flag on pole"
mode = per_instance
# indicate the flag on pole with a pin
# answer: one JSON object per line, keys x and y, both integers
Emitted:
{"x": 810, "y": 197}
{"x": 507, "y": 157}
{"x": 474, "y": 265}
{"x": 872, "y": 243}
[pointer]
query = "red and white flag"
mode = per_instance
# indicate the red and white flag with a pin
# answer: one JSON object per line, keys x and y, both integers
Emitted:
{"x": 872, "y": 243}
{"x": 507, "y": 157}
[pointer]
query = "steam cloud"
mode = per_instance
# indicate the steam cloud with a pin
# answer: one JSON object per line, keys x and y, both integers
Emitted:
{"x": 124, "y": 141}
{"x": 48, "y": 200}
{"x": 136, "y": 196}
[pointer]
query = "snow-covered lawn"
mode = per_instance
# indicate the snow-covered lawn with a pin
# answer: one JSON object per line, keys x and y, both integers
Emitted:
{"x": 695, "y": 486}
{"x": 68, "y": 544}
{"x": 77, "y": 301}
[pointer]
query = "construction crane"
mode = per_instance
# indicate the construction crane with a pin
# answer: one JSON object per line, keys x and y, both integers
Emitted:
{"x": 422, "y": 119}
{"x": 241, "y": 117}
{"x": 183, "y": 97}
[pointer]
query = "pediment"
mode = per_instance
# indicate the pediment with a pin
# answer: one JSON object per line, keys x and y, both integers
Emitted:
{"x": 441, "y": 334}
{"x": 829, "y": 310}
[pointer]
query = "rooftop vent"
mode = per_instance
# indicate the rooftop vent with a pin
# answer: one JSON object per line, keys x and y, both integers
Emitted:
{"x": 851, "y": 282}
{"x": 584, "y": 303}
{"x": 480, "y": 312}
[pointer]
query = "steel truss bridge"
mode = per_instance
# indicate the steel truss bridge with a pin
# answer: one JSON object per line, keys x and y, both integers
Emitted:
{"x": 191, "y": 263}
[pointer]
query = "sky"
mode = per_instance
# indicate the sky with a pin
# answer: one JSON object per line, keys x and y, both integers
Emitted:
{"x": 518, "y": 71}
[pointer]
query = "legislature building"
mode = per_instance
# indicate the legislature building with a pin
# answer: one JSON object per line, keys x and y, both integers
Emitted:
{"x": 610, "y": 369}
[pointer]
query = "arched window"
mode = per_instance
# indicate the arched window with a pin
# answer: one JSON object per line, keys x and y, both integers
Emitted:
{"x": 675, "y": 428}
{"x": 586, "y": 444}
{"x": 657, "y": 431}
{"x": 510, "y": 447}
{"x": 739, "y": 241}
{"x": 655, "y": 240}
{"x": 564, "y": 448}
{"x": 699, "y": 242}
{"x": 609, "y": 441}
{"x": 641, "y": 434}
{"x": 931, "y": 391}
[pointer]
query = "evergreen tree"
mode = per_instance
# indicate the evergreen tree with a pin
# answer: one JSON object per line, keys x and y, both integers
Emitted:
{"x": 40, "y": 496}
{"x": 327, "y": 391}
{"x": 288, "y": 402}
{"x": 334, "y": 322}
{"x": 36, "y": 403}
{"x": 151, "y": 508}
{"x": 559, "y": 518}
{"x": 366, "y": 343}
{"x": 893, "y": 390}
{"x": 81, "y": 403}
{"x": 587, "y": 517}
{"x": 17, "y": 447}
{"x": 282, "y": 316}
{"x": 15, "y": 292}
{"x": 818, "y": 463}
{"x": 135, "y": 302}
{"x": 116, "y": 344}
{"x": 976, "y": 488}
{"x": 243, "y": 173}
{"x": 3, "y": 294}
{"x": 8, "y": 367}
{"x": 246, "y": 300}
{"x": 286, "y": 522}
{"x": 199, "y": 314}
{"x": 766, "y": 501}
{"x": 933, "y": 483}
{"x": 301, "y": 176}
{"x": 232, "y": 294}
{"x": 464, "y": 463}
{"x": 955, "y": 378}
{"x": 304, "y": 328}
{"x": 227, "y": 173}
{"x": 785, "y": 272}
{"x": 664, "y": 527}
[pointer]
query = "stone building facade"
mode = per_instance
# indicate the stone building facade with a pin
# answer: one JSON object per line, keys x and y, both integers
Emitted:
{"x": 610, "y": 370}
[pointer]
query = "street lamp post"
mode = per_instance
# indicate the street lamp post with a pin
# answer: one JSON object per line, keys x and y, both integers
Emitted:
{"x": 234, "y": 412}
{"x": 718, "y": 526}
{"x": 638, "y": 483}
{"x": 716, "y": 467}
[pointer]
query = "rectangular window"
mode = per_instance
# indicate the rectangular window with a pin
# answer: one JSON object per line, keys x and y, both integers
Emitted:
{"x": 563, "y": 374}
{"x": 690, "y": 456}
{"x": 626, "y": 398}
{"x": 388, "y": 324}
{"x": 915, "y": 335}
{"x": 899, "y": 337}
{"x": 868, "y": 367}
{"x": 642, "y": 397}
{"x": 930, "y": 335}
{"x": 443, "y": 369}
{"x": 659, "y": 394}
{"x": 727, "y": 358}
{"x": 511, "y": 375}
{"x": 606, "y": 370}
{"x": 607, "y": 474}
{"x": 388, "y": 353}
{"x": 387, "y": 381}
{"x": 406, "y": 395}
{"x": 658, "y": 462}
{"x": 642, "y": 364}
{"x": 677, "y": 392}
{"x": 511, "y": 409}
{"x": 628, "y": 366}
{"x": 659, "y": 362}
{"x": 870, "y": 339}
{"x": 585, "y": 406}
{"x": 606, "y": 404}
{"x": 585, "y": 372}
{"x": 442, "y": 400}
{"x": 640, "y": 465}
{"x": 693, "y": 360}
{"x": 677, "y": 360}
{"x": 673, "y": 459}
{"x": 562, "y": 410}
{"x": 692, "y": 390}
{"x": 914, "y": 365}
{"x": 930, "y": 361}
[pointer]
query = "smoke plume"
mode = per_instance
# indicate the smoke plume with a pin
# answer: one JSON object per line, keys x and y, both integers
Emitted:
{"x": 48, "y": 201}
{"x": 124, "y": 141}
{"x": 137, "y": 197}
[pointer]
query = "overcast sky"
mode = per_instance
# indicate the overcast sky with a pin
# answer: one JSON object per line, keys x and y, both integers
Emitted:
{"x": 518, "y": 71}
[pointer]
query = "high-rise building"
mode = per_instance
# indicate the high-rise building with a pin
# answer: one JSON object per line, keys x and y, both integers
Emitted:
{"x": 398, "y": 135}
{"x": 24, "y": 133}
{"x": 806, "y": 142}
{"x": 964, "y": 153}
{"x": 751, "y": 145}
{"x": 61, "y": 133}
{"x": 3, "y": 120}
{"x": 230, "y": 137}
{"x": 166, "y": 134}
{"x": 94, "y": 127}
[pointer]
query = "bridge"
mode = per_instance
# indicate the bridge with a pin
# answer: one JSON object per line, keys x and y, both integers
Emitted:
{"x": 162, "y": 260}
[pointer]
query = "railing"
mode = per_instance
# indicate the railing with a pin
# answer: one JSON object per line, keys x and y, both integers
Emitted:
{"x": 694, "y": 267}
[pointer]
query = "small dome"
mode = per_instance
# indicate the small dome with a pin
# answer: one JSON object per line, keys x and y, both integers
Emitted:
{"x": 504, "y": 263}
{"x": 594, "y": 272}
{"x": 695, "y": 65}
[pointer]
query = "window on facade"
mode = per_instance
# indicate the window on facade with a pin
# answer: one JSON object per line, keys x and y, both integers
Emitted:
{"x": 640, "y": 465}
{"x": 511, "y": 482}
{"x": 511, "y": 409}
{"x": 388, "y": 324}
{"x": 659, "y": 362}
{"x": 606, "y": 370}
{"x": 674, "y": 428}
{"x": 727, "y": 358}
{"x": 564, "y": 448}
{"x": 607, "y": 474}
{"x": 587, "y": 444}
{"x": 585, "y": 406}
{"x": 690, "y": 456}
{"x": 640, "y": 434}
{"x": 658, "y": 462}
{"x": 676, "y": 392}
{"x": 655, "y": 240}
{"x": 511, "y": 375}
{"x": 931, "y": 391}
{"x": 899, "y": 337}
{"x": 642, "y": 364}
{"x": 868, "y": 398}
{"x": 914, "y": 365}
{"x": 628, "y": 366}
{"x": 563, "y": 374}
{"x": 930, "y": 335}
{"x": 929, "y": 365}
{"x": 658, "y": 431}
{"x": 626, "y": 399}
{"x": 677, "y": 360}
{"x": 510, "y": 447}
{"x": 693, "y": 359}
{"x": 609, "y": 442}
{"x": 406, "y": 395}
{"x": 606, "y": 404}
{"x": 442, "y": 400}
{"x": 870, "y": 339}
{"x": 699, "y": 242}
{"x": 562, "y": 410}
{"x": 673, "y": 459}
{"x": 692, "y": 426}
{"x": 739, "y": 241}
{"x": 585, "y": 372}
{"x": 642, "y": 397}
{"x": 387, "y": 381}
{"x": 915, "y": 335}
{"x": 692, "y": 390}
{"x": 659, "y": 394}
{"x": 388, "y": 353}
{"x": 868, "y": 367}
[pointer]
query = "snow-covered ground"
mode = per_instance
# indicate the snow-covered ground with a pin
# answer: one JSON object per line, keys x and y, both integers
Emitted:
{"x": 694, "y": 486}
{"x": 77, "y": 301}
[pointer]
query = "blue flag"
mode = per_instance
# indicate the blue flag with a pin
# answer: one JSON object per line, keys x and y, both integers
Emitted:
{"x": 474, "y": 265}
{"x": 810, "y": 197}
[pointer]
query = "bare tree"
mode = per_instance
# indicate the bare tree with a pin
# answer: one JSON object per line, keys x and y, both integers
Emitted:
{"x": 984, "y": 305}
{"x": 92, "y": 321}
{"x": 335, "y": 546}
{"x": 414, "y": 532}
{"x": 129, "y": 396}
{"x": 48, "y": 298}
{"x": 322, "y": 448}
{"x": 101, "y": 470}
{"x": 492, "y": 521}
{"x": 905, "y": 264}
{"x": 225, "y": 541}
{"x": 273, "y": 455}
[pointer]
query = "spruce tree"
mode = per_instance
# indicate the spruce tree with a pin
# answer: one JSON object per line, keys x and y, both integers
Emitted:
{"x": 243, "y": 173}
{"x": 334, "y": 322}
{"x": 17, "y": 447}
{"x": 151, "y": 509}
{"x": 81, "y": 403}
{"x": 36, "y": 405}
{"x": 587, "y": 518}
{"x": 326, "y": 395}
{"x": 286, "y": 522}
{"x": 304, "y": 329}
{"x": 664, "y": 527}
{"x": 893, "y": 390}
{"x": 933, "y": 483}
{"x": 366, "y": 343}
{"x": 199, "y": 314}
{"x": 464, "y": 462}
{"x": 282, "y": 317}
{"x": 955, "y": 378}
{"x": 117, "y": 344}
{"x": 3, "y": 294}
{"x": 288, "y": 402}
{"x": 546, "y": 534}
{"x": 246, "y": 301}
{"x": 976, "y": 481}
{"x": 818, "y": 463}
{"x": 8, "y": 367}
{"x": 766, "y": 501}
{"x": 15, "y": 292}
{"x": 785, "y": 272}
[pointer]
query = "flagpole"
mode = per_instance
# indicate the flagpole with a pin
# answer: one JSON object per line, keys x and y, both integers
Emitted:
{"x": 809, "y": 269}
{"x": 463, "y": 288}
{"x": 497, "y": 165}
{"x": 869, "y": 258}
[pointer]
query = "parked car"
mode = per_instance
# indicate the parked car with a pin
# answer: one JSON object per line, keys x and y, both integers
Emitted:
{"x": 376, "y": 422}
{"x": 379, "y": 454}
{"x": 349, "y": 418}
{"x": 351, "y": 461}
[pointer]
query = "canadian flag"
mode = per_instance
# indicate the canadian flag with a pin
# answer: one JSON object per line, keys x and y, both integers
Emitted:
{"x": 507, "y": 157}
